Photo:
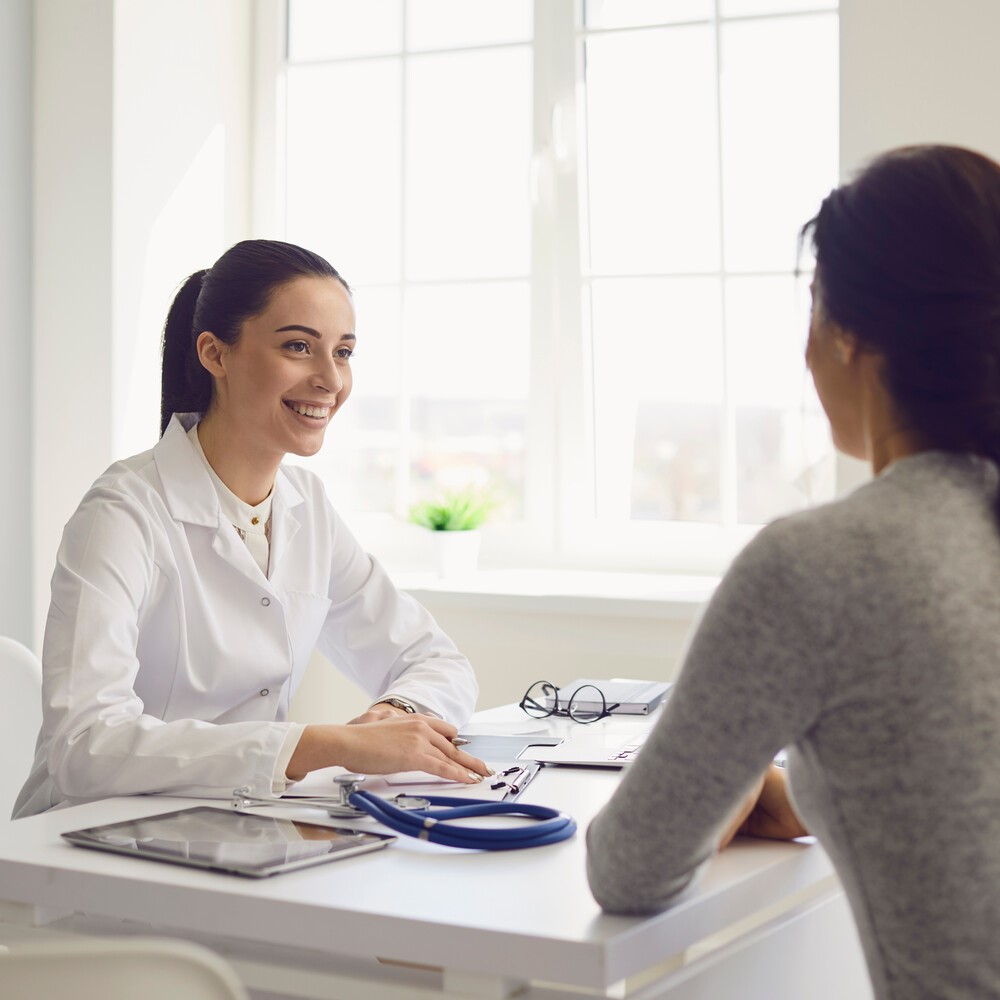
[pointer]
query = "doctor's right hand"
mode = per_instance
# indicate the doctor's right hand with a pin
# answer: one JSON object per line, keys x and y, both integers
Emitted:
{"x": 406, "y": 743}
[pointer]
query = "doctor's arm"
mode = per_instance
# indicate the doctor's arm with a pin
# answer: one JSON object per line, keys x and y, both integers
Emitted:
{"x": 100, "y": 740}
{"x": 387, "y": 642}
{"x": 749, "y": 686}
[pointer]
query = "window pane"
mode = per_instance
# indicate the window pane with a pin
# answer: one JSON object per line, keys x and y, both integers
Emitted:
{"x": 468, "y": 142}
{"x": 634, "y": 13}
{"x": 781, "y": 433}
{"x": 658, "y": 383}
{"x": 740, "y": 8}
{"x": 447, "y": 24}
{"x": 359, "y": 457}
{"x": 652, "y": 151}
{"x": 331, "y": 29}
{"x": 779, "y": 127}
{"x": 343, "y": 166}
{"x": 467, "y": 350}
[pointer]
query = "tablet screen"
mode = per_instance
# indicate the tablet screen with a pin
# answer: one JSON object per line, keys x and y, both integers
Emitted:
{"x": 224, "y": 840}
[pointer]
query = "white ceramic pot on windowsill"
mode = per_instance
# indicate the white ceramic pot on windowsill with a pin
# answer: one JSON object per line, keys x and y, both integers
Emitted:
{"x": 455, "y": 553}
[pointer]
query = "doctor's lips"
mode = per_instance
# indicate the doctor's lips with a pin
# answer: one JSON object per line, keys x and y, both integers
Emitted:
{"x": 309, "y": 409}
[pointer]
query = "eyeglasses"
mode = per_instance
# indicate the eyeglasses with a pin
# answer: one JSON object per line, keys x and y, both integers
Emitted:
{"x": 586, "y": 704}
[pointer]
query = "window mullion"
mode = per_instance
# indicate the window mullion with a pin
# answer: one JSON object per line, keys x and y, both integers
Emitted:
{"x": 404, "y": 396}
{"x": 728, "y": 477}
{"x": 559, "y": 381}
{"x": 268, "y": 138}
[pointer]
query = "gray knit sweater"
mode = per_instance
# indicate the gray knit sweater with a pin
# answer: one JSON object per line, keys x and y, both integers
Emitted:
{"x": 865, "y": 636}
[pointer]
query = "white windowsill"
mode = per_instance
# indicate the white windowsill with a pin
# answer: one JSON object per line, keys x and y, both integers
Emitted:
{"x": 544, "y": 591}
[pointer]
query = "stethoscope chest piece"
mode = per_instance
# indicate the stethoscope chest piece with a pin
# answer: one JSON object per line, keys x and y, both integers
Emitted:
{"x": 348, "y": 784}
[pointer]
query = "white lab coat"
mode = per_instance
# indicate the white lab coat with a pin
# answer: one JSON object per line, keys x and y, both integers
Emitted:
{"x": 170, "y": 660}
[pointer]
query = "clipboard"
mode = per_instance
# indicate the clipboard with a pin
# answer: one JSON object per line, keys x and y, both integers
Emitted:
{"x": 510, "y": 780}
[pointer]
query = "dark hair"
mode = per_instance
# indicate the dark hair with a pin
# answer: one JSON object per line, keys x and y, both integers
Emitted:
{"x": 908, "y": 260}
{"x": 237, "y": 287}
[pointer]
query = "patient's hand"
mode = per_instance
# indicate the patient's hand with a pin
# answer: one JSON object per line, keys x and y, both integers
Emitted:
{"x": 771, "y": 815}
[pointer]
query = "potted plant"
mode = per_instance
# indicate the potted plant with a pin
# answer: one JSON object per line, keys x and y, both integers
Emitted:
{"x": 455, "y": 518}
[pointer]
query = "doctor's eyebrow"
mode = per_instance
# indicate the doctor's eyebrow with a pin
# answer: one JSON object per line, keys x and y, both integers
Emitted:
{"x": 310, "y": 331}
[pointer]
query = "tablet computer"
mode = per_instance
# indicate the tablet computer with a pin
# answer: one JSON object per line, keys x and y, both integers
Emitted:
{"x": 228, "y": 841}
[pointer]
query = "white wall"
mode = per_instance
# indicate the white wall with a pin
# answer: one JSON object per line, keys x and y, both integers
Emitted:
{"x": 915, "y": 72}
{"x": 72, "y": 266}
{"x": 918, "y": 71}
{"x": 141, "y": 177}
{"x": 181, "y": 177}
{"x": 15, "y": 320}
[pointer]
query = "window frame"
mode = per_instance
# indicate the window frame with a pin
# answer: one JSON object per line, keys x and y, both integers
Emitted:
{"x": 557, "y": 530}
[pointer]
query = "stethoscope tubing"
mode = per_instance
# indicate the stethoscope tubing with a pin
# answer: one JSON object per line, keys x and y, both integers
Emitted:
{"x": 434, "y": 825}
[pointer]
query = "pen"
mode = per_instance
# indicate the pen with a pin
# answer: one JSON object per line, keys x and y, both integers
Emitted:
{"x": 523, "y": 778}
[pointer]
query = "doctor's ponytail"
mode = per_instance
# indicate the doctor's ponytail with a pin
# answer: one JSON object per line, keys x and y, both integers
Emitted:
{"x": 237, "y": 287}
{"x": 185, "y": 386}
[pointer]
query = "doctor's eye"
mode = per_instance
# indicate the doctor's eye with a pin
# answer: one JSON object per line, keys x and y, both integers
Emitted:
{"x": 343, "y": 353}
{"x": 297, "y": 347}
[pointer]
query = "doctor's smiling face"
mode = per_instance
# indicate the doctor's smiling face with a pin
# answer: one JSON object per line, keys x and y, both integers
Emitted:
{"x": 279, "y": 385}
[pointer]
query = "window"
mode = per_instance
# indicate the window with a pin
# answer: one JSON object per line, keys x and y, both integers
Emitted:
{"x": 572, "y": 234}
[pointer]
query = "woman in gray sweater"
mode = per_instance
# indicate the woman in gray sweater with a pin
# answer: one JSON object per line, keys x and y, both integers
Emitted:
{"x": 863, "y": 635}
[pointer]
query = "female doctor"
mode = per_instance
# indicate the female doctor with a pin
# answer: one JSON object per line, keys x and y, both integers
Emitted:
{"x": 194, "y": 580}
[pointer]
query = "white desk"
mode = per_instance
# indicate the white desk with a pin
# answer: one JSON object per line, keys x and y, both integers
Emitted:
{"x": 489, "y": 923}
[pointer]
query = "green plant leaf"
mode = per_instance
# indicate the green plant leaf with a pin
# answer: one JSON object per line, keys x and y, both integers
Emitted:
{"x": 457, "y": 510}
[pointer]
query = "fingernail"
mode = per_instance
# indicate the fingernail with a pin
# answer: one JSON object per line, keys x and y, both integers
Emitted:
{"x": 475, "y": 777}
{"x": 491, "y": 772}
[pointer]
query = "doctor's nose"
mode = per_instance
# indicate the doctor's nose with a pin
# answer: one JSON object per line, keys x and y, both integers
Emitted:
{"x": 328, "y": 378}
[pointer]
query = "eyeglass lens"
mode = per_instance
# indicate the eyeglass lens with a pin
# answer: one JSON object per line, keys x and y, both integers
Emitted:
{"x": 587, "y": 704}
{"x": 541, "y": 700}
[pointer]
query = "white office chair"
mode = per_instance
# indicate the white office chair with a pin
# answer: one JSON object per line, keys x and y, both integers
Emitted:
{"x": 20, "y": 718}
{"x": 117, "y": 969}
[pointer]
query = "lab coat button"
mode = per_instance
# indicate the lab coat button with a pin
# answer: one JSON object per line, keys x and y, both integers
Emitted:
{"x": 264, "y": 692}
{"x": 266, "y": 601}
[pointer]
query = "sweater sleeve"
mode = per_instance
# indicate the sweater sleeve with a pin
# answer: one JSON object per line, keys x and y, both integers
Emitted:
{"x": 748, "y": 687}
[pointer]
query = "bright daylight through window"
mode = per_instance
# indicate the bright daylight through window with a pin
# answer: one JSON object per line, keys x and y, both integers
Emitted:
{"x": 572, "y": 233}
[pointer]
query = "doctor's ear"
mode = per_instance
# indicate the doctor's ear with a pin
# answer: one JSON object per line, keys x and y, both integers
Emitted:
{"x": 845, "y": 347}
{"x": 211, "y": 351}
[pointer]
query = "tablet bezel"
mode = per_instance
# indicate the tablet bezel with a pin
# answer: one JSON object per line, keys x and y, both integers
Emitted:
{"x": 88, "y": 837}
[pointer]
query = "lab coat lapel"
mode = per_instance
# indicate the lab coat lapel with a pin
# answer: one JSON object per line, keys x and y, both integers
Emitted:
{"x": 191, "y": 498}
{"x": 284, "y": 522}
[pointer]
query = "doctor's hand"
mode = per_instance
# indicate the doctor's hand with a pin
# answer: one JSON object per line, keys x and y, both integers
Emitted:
{"x": 767, "y": 811}
{"x": 407, "y": 743}
{"x": 379, "y": 712}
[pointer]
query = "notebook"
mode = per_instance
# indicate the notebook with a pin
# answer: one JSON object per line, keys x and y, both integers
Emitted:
{"x": 630, "y": 697}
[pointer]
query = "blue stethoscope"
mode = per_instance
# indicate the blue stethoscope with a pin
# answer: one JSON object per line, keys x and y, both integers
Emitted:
{"x": 432, "y": 817}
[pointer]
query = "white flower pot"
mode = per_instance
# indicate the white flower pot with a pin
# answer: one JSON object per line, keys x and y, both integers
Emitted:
{"x": 456, "y": 553}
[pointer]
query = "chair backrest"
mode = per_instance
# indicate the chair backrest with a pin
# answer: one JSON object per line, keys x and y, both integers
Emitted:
{"x": 117, "y": 969}
{"x": 20, "y": 718}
